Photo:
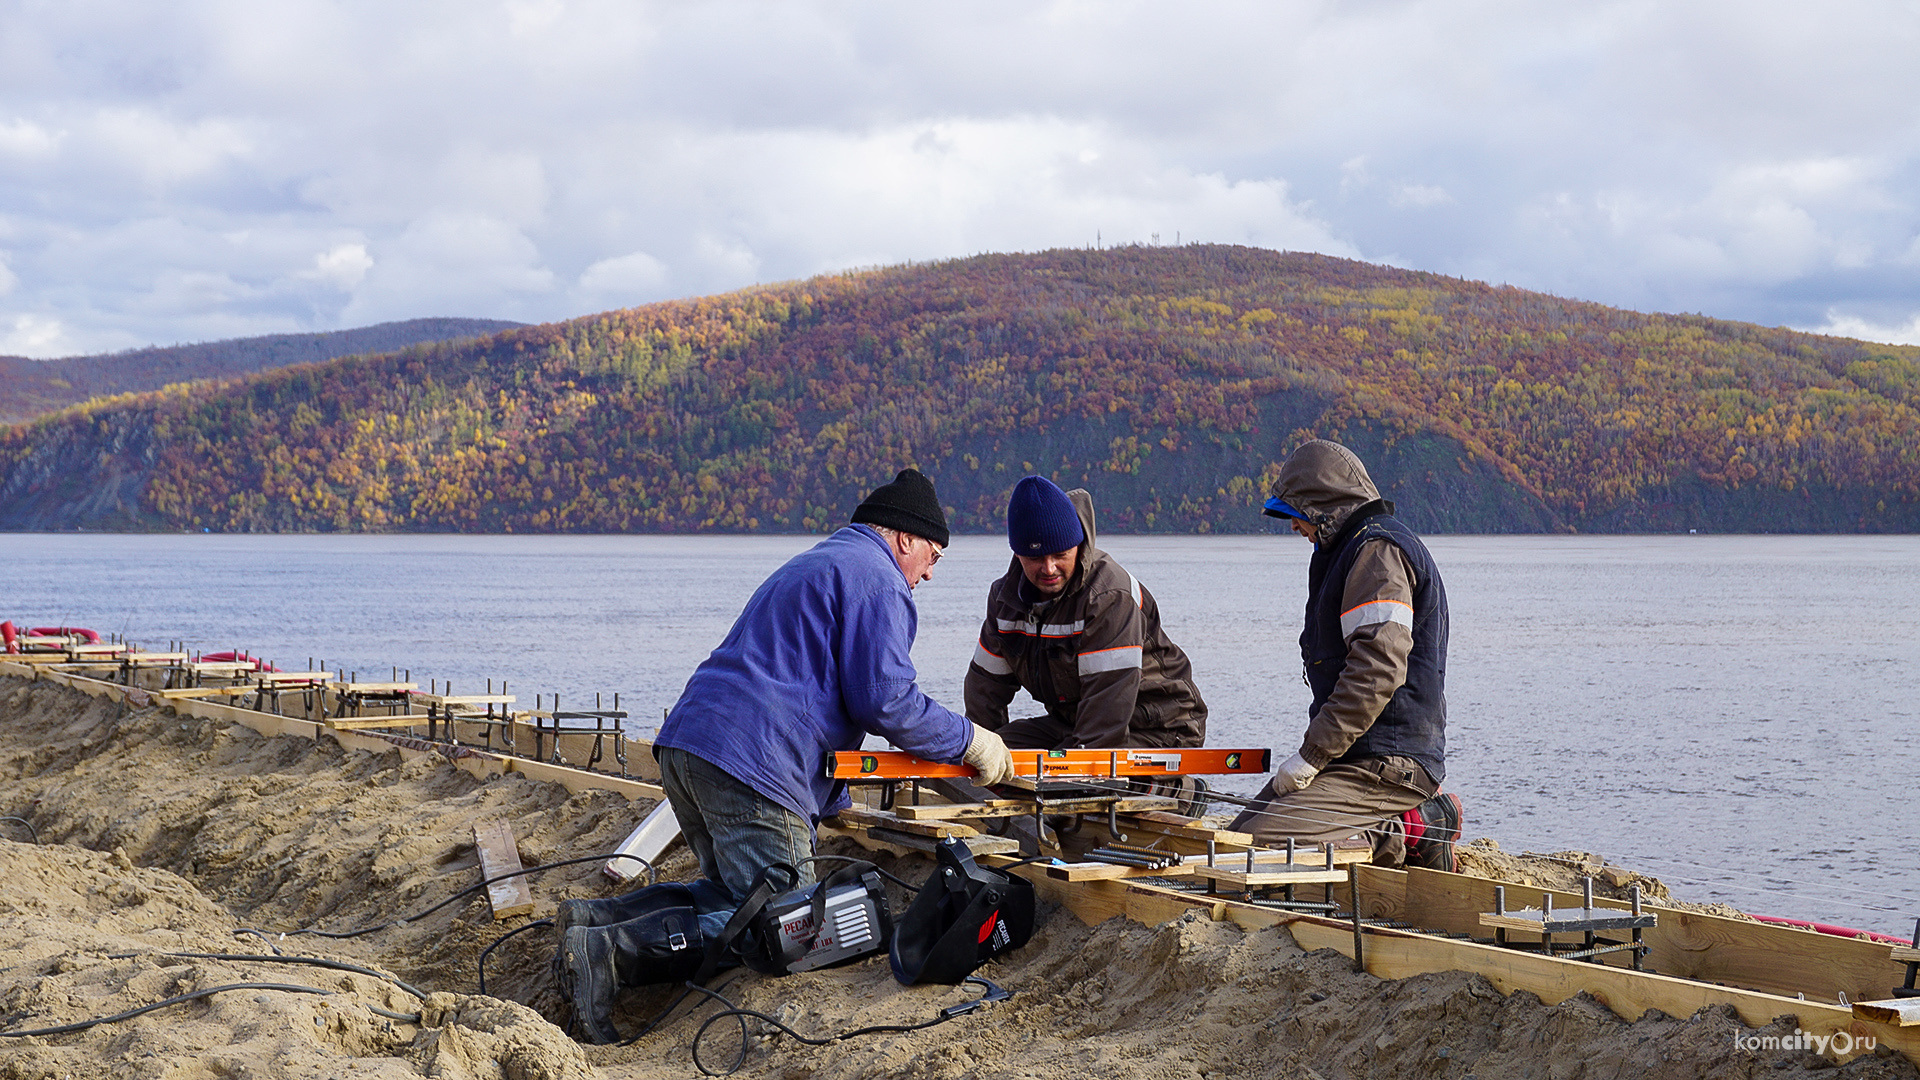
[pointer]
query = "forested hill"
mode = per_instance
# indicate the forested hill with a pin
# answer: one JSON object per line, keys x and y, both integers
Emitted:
{"x": 1167, "y": 380}
{"x": 29, "y": 388}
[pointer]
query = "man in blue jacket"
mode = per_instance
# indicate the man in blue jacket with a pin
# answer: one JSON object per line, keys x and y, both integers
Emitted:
{"x": 818, "y": 660}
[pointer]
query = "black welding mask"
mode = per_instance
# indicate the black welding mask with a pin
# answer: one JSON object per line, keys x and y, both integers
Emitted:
{"x": 962, "y": 917}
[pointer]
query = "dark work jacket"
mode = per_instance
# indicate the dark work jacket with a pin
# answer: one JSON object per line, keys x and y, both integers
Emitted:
{"x": 1414, "y": 722}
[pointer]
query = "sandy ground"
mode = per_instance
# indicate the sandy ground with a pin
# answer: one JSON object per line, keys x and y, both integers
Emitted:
{"x": 161, "y": 834}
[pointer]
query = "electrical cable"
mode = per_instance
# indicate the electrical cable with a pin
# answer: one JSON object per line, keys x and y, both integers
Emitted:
{"x": 31, "y": 831}
{"x": 993, "y": 993}
{"x": 501, "y": 940}
{"x": 661, "y": 1017}
{"x": 909, "y": 886}
{"x": 180, "y": 999}
{"x": 652, "y": 875}
{"x": 263, "y": 936}
{"x": 278, "y": 958}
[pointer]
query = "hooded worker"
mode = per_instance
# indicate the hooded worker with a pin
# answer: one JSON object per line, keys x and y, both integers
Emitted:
{"x": 1375, "y": 650}
{"x": 1081, "y": 635}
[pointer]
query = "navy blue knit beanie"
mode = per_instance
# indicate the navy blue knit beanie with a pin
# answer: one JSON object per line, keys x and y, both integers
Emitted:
{"x": 1041, "y": 519}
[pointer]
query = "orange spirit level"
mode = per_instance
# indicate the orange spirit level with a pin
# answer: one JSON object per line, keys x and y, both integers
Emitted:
{"x": 891, "y": 765}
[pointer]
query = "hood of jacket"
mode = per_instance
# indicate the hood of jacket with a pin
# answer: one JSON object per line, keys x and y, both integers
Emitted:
{"x": 1326, "y": 482}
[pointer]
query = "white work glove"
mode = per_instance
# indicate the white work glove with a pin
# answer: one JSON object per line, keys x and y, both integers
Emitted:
{"x": 988, "y": 756}
{"x": 1294, "y": 774}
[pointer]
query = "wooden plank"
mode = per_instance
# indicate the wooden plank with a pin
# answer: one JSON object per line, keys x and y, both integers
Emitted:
{"x": 1094, "y": 902}
{"x": 863, "y": 817}
{"x": 201, "y": 691}
{"x": 272, "y": 678}
{"x": 219, "y": 669}
{"x": 1894, "y": 1012}
{"x": 979, "y": 845}
{"x": 356, "y": 723}
{"x": 952, "y": 811}
{"x": 1688, "y": 944}
{"x": 1021, "y": 829}
{"x": 1905, "y": 954}
{"x": 1273, "y": 874}
{"x": 500, "y": 855}
{"x": 466, "y": 699}
{"x": 372, "y": 687}
{"x": 1629, "y": 994}
{"x": 476, "y": 762}
{"x": 1564, "y": 920}
{"x": 1174, "y": 825}
{"x": 1099, "y": 871}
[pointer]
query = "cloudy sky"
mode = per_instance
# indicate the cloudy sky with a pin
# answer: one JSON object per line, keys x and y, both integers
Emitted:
{"x": 201, "y": 169}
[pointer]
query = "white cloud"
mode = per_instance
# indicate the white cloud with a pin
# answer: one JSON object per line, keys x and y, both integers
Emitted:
{"x": 634, "y": 275}
{"x": 1419, "y": 196}
{"x": 176, "y": 173}
{"x": 25, "y": 139}
{"x": 8, "y": 279}
{"x": 342, "y": 266}
{"x": 1843, "y": 325}
{"x": 34, "y": 335}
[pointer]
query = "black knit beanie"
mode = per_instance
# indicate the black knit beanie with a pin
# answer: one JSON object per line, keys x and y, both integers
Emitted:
{"x": 907, "y": 504}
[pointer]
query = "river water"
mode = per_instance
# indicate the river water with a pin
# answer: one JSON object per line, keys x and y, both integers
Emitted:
{"x": 1733, "y": 714}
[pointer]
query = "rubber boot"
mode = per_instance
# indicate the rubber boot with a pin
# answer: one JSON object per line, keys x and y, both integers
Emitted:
{"x": 619, "y": 909}
{"x": 1442, "y": 818}
{"x": 597, "y": 962}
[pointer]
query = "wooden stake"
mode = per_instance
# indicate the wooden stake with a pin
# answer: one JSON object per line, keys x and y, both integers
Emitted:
{"x": 499, "y": 855}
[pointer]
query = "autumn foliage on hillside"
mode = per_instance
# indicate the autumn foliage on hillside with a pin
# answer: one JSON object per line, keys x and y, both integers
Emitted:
{"x": 29, "y": 388}
{"x": 774, "y": 408}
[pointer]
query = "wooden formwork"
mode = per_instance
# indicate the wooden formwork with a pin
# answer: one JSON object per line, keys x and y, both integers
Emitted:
{"x": 1764, "y": 967}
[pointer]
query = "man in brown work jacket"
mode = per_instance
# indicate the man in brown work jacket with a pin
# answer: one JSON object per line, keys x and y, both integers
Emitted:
{"x": 1081, "y": 635}
{"x": 1375, "y": 651}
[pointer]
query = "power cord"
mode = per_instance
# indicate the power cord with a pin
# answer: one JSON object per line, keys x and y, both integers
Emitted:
{"x": 652, "y": 876}
{"x": 279, "y": 958}
{"x": 290, "y": 988}
{"x": 993, "y": 993}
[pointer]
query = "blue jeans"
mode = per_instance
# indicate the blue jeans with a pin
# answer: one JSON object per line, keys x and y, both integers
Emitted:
{"x": 734, "y": 831}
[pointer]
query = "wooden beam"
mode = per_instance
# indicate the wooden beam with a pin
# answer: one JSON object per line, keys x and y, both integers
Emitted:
{"x": 866, "y": 818}
{"x": 1895, "y": 1012}
{"x": 1187, "y": 828}
{"x": 953, "y": 811}
{"x": 201, "y": 691}
{"x": 1266, "y": 874}
{"x": 1688, "y": 944}
{"x": 1629, "y": 994}
{"x": 979, "y": 845}
{"x": 500, "y": 855}
{"x": 358, "y": 723}
{"x": 1099, "y": 871}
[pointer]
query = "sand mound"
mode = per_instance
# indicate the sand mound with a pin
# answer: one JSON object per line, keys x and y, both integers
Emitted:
{"x": 164, "y": 834}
